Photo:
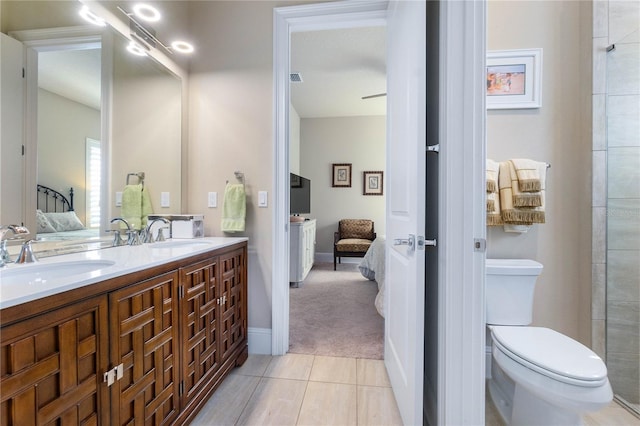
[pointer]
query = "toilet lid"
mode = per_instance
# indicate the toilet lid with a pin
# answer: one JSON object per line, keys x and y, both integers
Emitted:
{"x": 548, "y": 351}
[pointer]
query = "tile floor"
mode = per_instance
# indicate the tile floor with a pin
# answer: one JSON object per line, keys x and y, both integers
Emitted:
{"x": 297, "y": 389}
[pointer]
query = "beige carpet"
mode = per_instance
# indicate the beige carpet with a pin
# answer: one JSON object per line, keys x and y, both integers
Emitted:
{"x": 332, "y": 314}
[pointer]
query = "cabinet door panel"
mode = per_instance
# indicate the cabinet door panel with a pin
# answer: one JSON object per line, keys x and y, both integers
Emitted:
{"x": 234, "y": 301}
{"x": 199, "y": 309}
{"x": 144, "y": 329}
{"x": 51, "y": 367}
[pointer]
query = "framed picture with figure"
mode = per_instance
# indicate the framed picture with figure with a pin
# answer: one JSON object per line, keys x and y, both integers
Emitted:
{"x": 373, "y": 183}
{"x": 341, "y": 175}
{"x": 514, "y": 79}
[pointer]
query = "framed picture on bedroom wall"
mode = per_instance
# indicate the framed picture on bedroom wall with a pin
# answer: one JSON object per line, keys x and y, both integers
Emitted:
{"x": 514, "y": 79}
{"x": 373, "y": 183}
{"x": 341, "y": 175}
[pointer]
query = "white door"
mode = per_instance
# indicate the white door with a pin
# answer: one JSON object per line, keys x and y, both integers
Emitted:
{"x": 405, "y": 268}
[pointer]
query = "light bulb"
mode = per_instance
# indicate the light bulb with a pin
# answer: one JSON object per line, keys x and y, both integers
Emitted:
{"x": 136, "y": 49}
{"x": 146, "y": 12}
{"x": 182, "y": 47}
{"x": 89, "y": 16}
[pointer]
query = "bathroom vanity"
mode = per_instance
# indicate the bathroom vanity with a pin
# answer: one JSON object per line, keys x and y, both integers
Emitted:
{"x": 145, "y": 338}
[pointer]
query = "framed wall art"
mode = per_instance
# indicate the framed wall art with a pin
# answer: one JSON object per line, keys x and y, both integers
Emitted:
{"x": 373, "y": 183}
{"x": 341, "y": 175}
{"x": 514, "y": 79}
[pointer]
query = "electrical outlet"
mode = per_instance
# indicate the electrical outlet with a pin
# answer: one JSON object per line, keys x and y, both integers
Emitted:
{"x": 212, "y": 199}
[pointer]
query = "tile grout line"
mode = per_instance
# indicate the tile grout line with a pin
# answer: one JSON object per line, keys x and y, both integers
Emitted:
{"x": 306, "y": 387}
{"x": 246, "y": 404}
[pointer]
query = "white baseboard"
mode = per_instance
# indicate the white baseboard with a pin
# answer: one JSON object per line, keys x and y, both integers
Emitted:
{"x": 328, "y": 258}
{"x": 259, "y": 340}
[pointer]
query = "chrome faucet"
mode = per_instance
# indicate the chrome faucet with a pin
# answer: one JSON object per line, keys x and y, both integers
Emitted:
{"x": 26, "y": 254}
{"x": 148, "y": 233}
{"x": 133, "y": 238}
{"x": 4, "y": 229}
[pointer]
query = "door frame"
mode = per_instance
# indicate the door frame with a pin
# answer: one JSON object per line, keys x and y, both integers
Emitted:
{"x": 286, "y": 20}
{"x": 461, "y": 341}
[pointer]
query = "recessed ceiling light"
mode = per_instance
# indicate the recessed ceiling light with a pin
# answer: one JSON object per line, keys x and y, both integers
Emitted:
{"x": 89, "y": 16}
{"x": 182, "y": 47}
{"x": 146, "y": 12}
{"x": 136, "y": 49}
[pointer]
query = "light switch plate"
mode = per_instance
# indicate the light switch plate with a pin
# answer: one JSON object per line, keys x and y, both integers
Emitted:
{"x": 212, "y": 199}
{"x": 118, "y": 199}
{"x": 262, "y": 199}
{"x": 165, "y": 200}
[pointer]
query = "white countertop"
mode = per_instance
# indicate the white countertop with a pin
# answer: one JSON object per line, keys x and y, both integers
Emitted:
{"x": 127, "y": 259}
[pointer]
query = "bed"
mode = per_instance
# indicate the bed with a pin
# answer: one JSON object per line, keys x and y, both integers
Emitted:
{"x": 56, "y": 219}
{"x": 372, "y": 268}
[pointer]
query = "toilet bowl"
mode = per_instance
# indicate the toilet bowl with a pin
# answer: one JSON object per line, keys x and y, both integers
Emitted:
{"x": 538, "y": 376}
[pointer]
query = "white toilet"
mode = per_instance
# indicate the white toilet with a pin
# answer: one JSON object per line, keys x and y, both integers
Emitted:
{"x": 538, "y": 376}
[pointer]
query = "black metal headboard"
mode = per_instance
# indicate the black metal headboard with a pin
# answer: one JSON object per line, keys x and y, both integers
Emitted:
{"x": 50, "y": 200}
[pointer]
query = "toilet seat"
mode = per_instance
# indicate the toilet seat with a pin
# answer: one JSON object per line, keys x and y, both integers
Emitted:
{"x": 551, "y": 354}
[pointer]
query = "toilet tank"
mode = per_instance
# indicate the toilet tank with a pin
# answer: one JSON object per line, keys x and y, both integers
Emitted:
{"x": 509, "y": 290}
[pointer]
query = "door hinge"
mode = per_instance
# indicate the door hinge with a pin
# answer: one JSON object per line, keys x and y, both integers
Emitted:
{"x": 113, "y": 375}
{"x": 479, "y": 244}
{"x": 23, "y": 150}
{"x": 23, "y": 72}
{"x": 433, "y": 148}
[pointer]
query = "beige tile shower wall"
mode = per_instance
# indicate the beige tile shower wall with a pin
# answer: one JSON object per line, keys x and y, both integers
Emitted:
{"x": 559, "y": 133}
{"x": 360, "y": 141}
{"x": 623, "y": 200}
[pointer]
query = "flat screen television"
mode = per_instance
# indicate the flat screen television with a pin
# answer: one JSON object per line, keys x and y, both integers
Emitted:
{"x": 300, "y": 195}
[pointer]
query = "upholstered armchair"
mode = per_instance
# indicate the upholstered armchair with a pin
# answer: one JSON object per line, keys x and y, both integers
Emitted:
{"x": 353, "y": 239}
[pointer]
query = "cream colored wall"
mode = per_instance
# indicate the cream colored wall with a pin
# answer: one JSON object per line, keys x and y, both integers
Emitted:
{"x": 360, "y": 141}
{"x": 558, "y": 133}
{"x": 294, "y": 140}
{"x": 231, "y": 125}
{"x": 62, "y": 145}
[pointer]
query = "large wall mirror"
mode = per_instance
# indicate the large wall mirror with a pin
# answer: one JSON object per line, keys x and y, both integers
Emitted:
{"x": 96, "y": 115}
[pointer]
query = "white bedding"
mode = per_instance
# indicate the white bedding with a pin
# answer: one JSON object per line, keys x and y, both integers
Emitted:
{"x": 372, "y": 268}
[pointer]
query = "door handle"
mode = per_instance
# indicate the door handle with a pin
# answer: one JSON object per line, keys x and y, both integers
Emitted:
{"x": 411, "y": 241}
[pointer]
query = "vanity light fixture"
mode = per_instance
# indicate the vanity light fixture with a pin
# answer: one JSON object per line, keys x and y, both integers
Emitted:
{"x": 136, "y": 49}
{"x": 182, "y": 47}
{"x": 146, "y": 12}
{"x": 89, "y": 16}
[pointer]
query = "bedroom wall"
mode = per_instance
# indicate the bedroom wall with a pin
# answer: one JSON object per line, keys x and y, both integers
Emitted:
{"x": 62, "y": 147}
{"x": 294, "y": 140}
{"x": 360, "y": 141}
{"x": 558, "y": 133}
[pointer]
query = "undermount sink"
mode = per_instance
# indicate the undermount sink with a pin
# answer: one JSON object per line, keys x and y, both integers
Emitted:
{"x": 178, "y": 244}
{"x": 42, "y": 272}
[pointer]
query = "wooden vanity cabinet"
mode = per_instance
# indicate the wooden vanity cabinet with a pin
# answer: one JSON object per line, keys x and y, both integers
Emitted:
{"x": 144, "y": 339}
{"x": 175, "y": 332}
{"x": 51, "y": 367}
{"x": 213, "y": 315}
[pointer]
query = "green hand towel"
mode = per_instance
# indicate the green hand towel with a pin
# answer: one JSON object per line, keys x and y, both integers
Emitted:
{"x": 132, "y": 206}
{"x": 147, "y": 208}
{"x": 234, "y": 208}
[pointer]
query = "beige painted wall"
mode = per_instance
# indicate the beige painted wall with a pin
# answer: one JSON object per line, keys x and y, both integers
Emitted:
{"x": 231, "y": 125}
{"x": 558, "y": 133}
{"x": 294, "y": 140}
{"x": 63, "y": 126}
{"x": 360, "y": 141}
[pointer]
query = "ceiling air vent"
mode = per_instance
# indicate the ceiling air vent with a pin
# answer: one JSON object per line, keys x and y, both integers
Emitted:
{"x": 295, "y": 77}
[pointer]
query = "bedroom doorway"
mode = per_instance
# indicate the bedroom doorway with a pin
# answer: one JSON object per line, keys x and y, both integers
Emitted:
{"x": 337, "y": 114}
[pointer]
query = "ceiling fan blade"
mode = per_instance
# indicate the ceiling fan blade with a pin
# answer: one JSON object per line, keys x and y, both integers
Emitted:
{"x": 374, "y": 96}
